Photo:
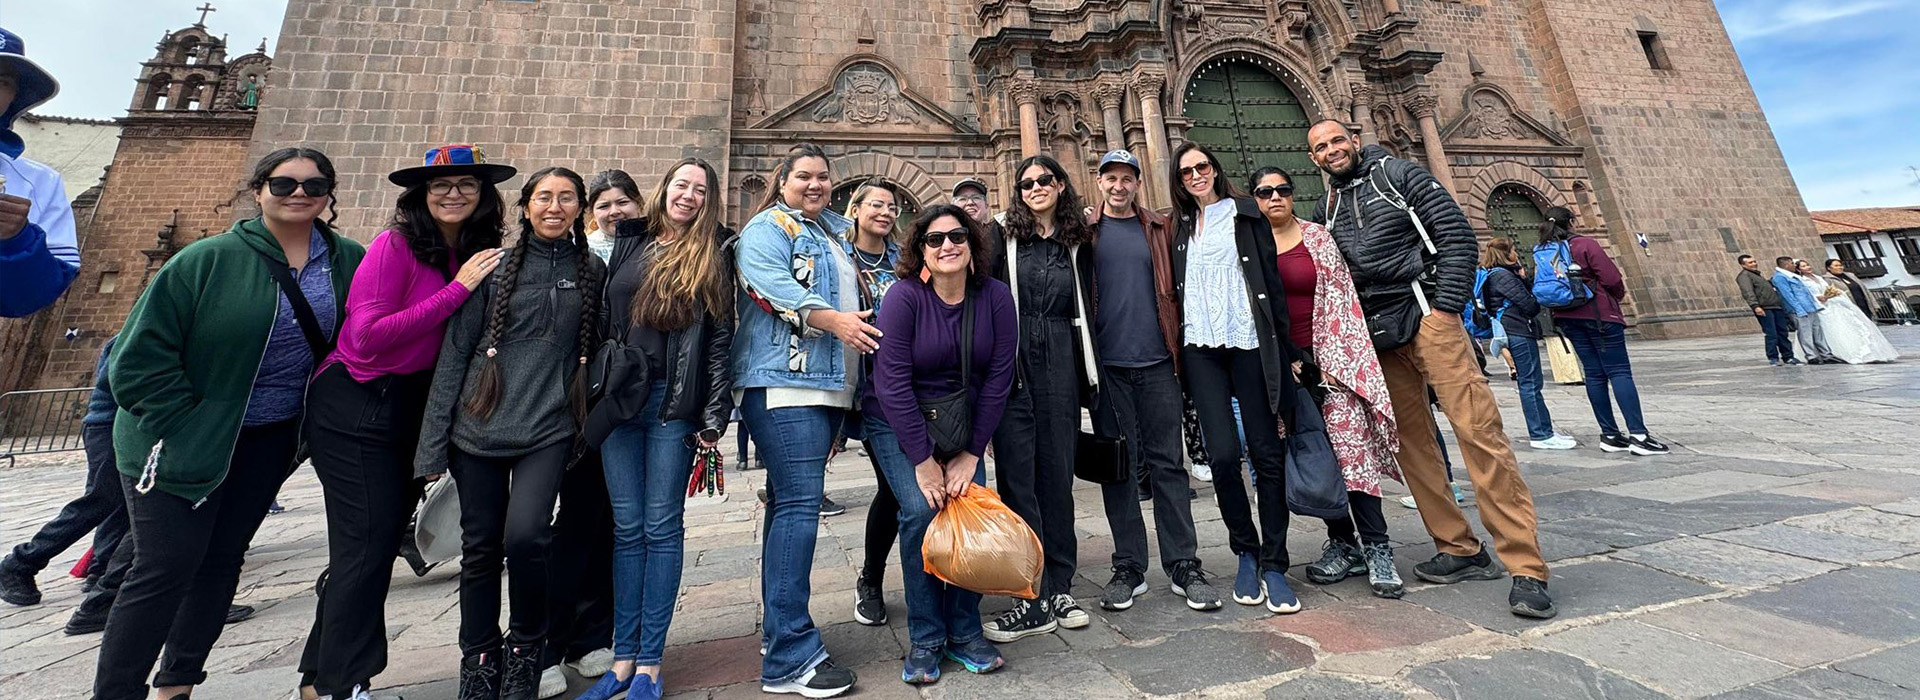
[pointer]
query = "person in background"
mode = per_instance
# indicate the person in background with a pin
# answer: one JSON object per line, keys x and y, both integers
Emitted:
{"x": 1760, "y": 295}
{"x": 1799, "y": 301}
{"x": 971, "y": 195}
{"x": 210, "y": 374}
{"x": 1509, "y": 299}
{"x": 39, "y": 251}
{"x": 612, "y": 197}
{"x": 503, "y": 417}
{"x": 1851, "y": 333}
{"x": 1598, "y": 331}
{"x": 876, "y": 256}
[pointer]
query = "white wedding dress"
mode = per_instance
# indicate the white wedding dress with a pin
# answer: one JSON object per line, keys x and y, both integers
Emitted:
{"x": 1852, "y": 336}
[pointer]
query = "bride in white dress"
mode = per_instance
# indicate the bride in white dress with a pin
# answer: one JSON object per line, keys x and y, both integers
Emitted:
{"x": 1850, "y": 334}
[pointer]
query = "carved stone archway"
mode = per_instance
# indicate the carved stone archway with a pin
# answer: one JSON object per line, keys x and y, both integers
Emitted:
{"x": 1474, "y": 201}
{"x": 903, "y": 173}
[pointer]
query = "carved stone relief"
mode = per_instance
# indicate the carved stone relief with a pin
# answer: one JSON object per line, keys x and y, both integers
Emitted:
{"x": 865, "y": 93}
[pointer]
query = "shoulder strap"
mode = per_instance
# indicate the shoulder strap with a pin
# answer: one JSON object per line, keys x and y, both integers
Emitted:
{"x": 317, "y": 341}
{"x": 1383, "y": 186}
{"x": 966, "y": 338}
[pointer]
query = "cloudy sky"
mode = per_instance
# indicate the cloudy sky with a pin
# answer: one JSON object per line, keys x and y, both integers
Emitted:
{"x": 1837, "y": 77}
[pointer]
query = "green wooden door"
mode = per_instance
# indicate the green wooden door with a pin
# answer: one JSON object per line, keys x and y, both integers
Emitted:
{"x": 1512, "y": 212}
{"x": 1248, "y": 118}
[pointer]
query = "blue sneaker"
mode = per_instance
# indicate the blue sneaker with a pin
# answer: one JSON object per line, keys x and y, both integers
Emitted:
{"x": 922, "y": 667}
{"x": 644, "y": 688}
{"x": 1246, "y": 585}
{"x": 1280, "y": 597}
{"x": 610, "y": 686}
{"x": 978, "y": 656}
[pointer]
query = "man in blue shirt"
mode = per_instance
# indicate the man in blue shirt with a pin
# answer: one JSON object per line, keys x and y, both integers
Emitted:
{"x": 1800, "y": 302}
{"x": 39, "y": 251}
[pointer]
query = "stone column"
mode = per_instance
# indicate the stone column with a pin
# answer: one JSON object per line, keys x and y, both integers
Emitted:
{"x": 1363, "y": 114}
{"x": 1108, "y": 93}
{"x": 1424, "y": 108}
{"x": 1026, "y": 94}
{"x": 1147, "y": 84}
{"x": 1390, "y": 7}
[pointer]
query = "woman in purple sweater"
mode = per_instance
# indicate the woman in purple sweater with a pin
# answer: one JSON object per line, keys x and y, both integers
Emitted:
{"x": 364, "y": 407}
{"x": 920, "y": 361}
{"x": 1598, "y": 332}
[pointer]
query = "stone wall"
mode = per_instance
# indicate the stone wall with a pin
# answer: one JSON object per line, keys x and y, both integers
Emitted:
{"x": 79, "y": 149}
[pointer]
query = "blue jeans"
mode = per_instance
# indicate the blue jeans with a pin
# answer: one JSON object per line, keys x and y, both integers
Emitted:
{"x": 1526, "y": 365}
{"x": 1602, "y": 348}
{"x": 647, "y": 463}
{"x": 1779, "y": 338}
{"x": 937, "y": 613}
{"x": 793, "y": 442}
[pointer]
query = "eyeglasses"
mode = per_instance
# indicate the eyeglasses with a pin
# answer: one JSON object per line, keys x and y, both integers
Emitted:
{"x": 440, "y": 188}
{"x": 939, "y": 239}
{"x": 1272, "y": 191}
{"x": 547, "y": 199}
{"x": 1201, "y": 169}
{"x": 962, "y": 199}
{"x": 878, "y": 205}
{"x": 1043, "y": 181}
{"x": 314, "y": 187}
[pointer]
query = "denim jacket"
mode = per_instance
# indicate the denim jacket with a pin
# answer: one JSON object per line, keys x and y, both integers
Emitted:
{"x": 1793, "y": 293}
{"x": 787, "y": 270}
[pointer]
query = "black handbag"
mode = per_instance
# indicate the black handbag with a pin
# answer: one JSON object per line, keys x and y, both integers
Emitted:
{"x": 1392, "y": 322}
{"x": 950, "y": 418}
{"x": 617, "y": 385}
{"x": 1101, "y": 455}
{"x": 1315, "y": 486}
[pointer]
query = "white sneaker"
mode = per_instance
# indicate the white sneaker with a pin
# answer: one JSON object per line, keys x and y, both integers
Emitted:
{"x": 1203, "y": 472}
{"x": 1557, "y": 442}
{"x": 553, "y": 683}
{"x": 1408, "y": 502}
{"x": 593, "y": 664}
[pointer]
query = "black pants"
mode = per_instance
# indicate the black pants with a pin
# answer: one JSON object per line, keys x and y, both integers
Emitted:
{"x": 1146, "y": 401}
{"x": 883, "y": 525}
{"x": 361, "y": 439}
{"x": 186, "y": 566}
{"x": 1035, "y": 441}
{"x": 580, "y": 599}
{"x": 1364, "y": 510}
{"x": 1216, "y": 376}
{"x": 506, "y": 523}
{"x": 100, "y": 509}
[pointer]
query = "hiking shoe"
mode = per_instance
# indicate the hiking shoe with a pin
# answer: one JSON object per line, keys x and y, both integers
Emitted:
{"x": 922, "y": 666}
{"x": 1646, "y": 446}
{"x": 829, "y": 508}
{"x": 1067, "y": 610}
{"x": 1615, "y": 443}
{"x": 608, "y": 687}
{"x": 869, "y": 608}
{"x": 977, "y": 656}
{"x": 1280, "y": 597}
{"x": 1529, "y": 598}
{"x": 1125, "y": 584}
{"x": 1246, "y": 583}
{"x": 1025, "y": 619}
{"x": 16, "y": 583}
{"x": 1381, "y": 573}
{"x": 1338, "y": 560}
{"x": 1448, "y": 568}
{"x": 593, "y": 664}
{"x": 553, "y": 682}
{"x": 1557, "y": 442}
{"x": 822, "y": 681}
{"x": 1190, "y": 581}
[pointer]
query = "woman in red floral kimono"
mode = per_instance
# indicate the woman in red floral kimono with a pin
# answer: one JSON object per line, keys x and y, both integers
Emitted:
{"x": 1343, "y": 375}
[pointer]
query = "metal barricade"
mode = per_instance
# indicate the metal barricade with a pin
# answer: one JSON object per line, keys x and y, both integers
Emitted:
{"x": 41, "y": 421}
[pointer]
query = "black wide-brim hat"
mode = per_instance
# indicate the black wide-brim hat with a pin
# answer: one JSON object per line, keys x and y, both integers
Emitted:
{"x": 453, "y": 160}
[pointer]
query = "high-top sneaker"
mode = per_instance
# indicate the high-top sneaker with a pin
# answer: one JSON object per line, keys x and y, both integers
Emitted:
{"x": 480, "y": 676}
{"x": 1027, "y": 618}
{"x": 521, "y": 678}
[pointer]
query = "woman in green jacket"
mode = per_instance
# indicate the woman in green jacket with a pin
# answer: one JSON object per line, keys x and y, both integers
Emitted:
{"x": 210, "y": 374}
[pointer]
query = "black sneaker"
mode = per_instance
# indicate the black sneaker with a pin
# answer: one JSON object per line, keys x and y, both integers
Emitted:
{"x": 1447, "y": 568}
{"x": 1529, "y": 598}
{"x": 1791, "y": 361}
{"x": 237, "y": 613}
{"x": 521, "y": 678}
{"x": 1067, "y": 610}
{"x": 824, "y": 681}
{"x": 1646, "y": 446}
{"x": 869, "y": 608}
{"x": 1144, "y": 495}
{"x": 1191, "y": 582}
{"x": 1125, "y": 584}
{"x": 829, "y": 508}
{"x": 1615, "y": 443}
{"x": 1027, "y": 618}
{"x": 90, "y": 616}
{"x": 480, "y": 676}
{"x": 16, "y": 583}
{"x": 1338, "y": 560}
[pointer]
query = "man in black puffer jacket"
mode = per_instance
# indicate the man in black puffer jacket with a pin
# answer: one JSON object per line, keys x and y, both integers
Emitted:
{"x": 1412, "y": 256}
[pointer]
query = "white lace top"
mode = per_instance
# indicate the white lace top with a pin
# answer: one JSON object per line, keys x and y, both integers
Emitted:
{"x": 1218, "y": 314}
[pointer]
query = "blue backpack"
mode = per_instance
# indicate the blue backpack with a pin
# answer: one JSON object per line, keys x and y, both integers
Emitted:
{"x": 1476, "y": 318}
{"x": 1556, "y": 277}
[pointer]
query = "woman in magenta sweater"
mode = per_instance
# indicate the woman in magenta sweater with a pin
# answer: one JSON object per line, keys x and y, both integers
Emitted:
{"x": 1598, "y": 332}
{"x": 364, "y": 407}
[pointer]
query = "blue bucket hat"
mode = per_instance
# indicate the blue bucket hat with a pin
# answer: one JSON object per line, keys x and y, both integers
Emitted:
{"x": 36, "y": 84}
{"x": 452, "y": 160}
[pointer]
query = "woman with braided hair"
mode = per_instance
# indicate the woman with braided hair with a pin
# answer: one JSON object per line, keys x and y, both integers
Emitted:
{"x": 504, "y": 417}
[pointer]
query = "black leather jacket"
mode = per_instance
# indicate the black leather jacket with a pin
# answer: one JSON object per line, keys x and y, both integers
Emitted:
{"x": 698, "y": 374}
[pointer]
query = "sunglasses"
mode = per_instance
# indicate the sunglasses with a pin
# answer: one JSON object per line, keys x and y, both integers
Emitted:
{"x": 1043, "y": 181}
{"x": 1196, "y": 170}
{"x": 1271, "y": 191}
{"x": 315, "y": 187}
{"x": 939, "y": 239}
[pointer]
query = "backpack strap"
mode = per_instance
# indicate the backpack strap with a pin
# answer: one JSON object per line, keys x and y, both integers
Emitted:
{"x": 1383, "y": 187}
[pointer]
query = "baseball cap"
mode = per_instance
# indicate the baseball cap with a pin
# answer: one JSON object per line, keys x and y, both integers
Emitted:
{"x": 965, "y": 183}
{"x": 1122, "y": 156}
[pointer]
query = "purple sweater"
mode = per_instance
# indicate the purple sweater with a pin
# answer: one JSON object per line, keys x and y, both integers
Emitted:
{"x": 1602, "y": 277}
{"x": 397, "y": 311}
{"x": 919, "y": 358}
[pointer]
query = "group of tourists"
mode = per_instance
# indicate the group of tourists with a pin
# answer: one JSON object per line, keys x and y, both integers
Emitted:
{"x": 1828, "y": 308}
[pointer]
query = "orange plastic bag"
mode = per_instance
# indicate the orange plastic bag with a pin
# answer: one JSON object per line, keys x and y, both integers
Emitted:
{"x": 976, "y": 542}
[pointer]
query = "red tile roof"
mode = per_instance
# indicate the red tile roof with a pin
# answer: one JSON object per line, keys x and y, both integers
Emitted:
{"x": 1844, "y": 221}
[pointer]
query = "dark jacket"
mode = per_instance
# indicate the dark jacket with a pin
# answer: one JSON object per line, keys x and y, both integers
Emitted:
{"x": 100, "y": 406}
{"x": 1602, "y": 277}
{"x": 539, "y": 351}
{"x": 1757, "y": 290}
{"x": 1085, "y": 353}
{"x": 698, "y": 372}
{"x": 1383, "y": 250}
{"x": 1505, "y": 286}
{"x": 1160, "y": 247}
{"x": 1268, "y": 300}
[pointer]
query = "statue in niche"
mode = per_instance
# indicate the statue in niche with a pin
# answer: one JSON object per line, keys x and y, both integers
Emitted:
{"x": 250, "y": 93}
{"x": 866, "y": 94}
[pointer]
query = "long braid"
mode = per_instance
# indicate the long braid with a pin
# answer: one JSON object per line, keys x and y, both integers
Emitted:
{"x": 486, "y": 391}
{"x": 589, "y": 285}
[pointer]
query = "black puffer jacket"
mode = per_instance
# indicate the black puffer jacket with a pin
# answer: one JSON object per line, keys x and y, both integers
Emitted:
{"x": 1505, "y": 287}
{"x": 1377, "y": 238}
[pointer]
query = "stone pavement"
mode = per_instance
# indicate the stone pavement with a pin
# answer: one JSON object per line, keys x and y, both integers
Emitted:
{"x": 1775, "y": 554}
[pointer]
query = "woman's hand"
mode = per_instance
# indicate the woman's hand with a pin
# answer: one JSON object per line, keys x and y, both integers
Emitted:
{"x": 478, "y": 267}
{"x": 932, "y": 483}
{"x": 959, "y": 473}
{"x": 850, "y": 327}
{"x": 1297, "y": 364}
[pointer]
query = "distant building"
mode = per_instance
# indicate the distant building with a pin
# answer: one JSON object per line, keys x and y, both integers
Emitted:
{"x": 79, "y": 149}
{"x": 1881, "y": 246}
